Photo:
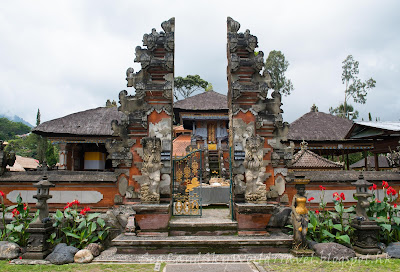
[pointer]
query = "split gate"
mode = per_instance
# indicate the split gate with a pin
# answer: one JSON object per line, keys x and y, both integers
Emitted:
{"x": 186, "y": 184}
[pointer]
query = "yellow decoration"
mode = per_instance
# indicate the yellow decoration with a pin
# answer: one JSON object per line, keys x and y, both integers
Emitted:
{"x": 301, "y": 205}
{"x": 212, "y": 147}
{"x": 192, "y": 184}
{"x": 187, "y": 172}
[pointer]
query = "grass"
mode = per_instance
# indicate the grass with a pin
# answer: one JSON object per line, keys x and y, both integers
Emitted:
{"x": 317, "y": 265}
{"x": 5, "y": 266}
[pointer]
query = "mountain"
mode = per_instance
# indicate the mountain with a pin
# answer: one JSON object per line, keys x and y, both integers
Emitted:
{"x": 16, "y": 118}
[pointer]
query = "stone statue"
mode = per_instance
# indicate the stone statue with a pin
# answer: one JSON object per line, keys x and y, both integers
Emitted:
{"x": 6, "y": 158}
{"x": 254, "y": 170}
{"x": 242, "y": 131}
{"x": 150, "y": 187}
{"x": 300, "y": 218}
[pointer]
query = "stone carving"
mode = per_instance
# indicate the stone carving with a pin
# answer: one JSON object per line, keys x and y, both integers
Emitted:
{"x": 242, "y": 131}
{"x": 6, "y": 158}
{"x": 299, "y": 218}
{"x": 165, "y": 184}
{"x": 119, "y": 151}
{"x": 150, "y": 187}
{"x": 161, "y": 130}
{"x": 240, "y": 185}
{"x": 394, "y": 156}
{"x": 254, "y": 170}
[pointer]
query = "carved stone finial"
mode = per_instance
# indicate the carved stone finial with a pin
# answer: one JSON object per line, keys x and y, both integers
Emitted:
{"x": 130, "y": 76}
{"x": 233, "y": 26}
{"x": 303, "y": 145}
{"x": 169, "y": 26}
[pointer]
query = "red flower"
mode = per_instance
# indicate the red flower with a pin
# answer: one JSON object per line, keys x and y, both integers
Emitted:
{"x": 395, "y": 205}
{"x": 385, "y": 184}
{"x": 317, "y": 212}
{"x": 69, "y": 205}
{"x": 2, "y": 194}
{"x": 25, "y": 206}
{"x": 338, "y": 198}
{"x": 335, "y": 194}
{"x": 342, "y": 196}
{"x": 15, "y": 212}
{"x": 311, "y": 198}
{"x": 388, "y": 217}
{"x": 85, "y": 210}
{"x": 20, "y": 257}
{"x": 391, "y": 191}
{"x": 377, "y": 201}
{"x": 322, "y": 188}
{"x": 75, "y": 202}
{"x": 373, "y": 187}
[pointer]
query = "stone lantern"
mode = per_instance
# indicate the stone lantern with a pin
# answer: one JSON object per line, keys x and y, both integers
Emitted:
{"x": 362, "y": 194}
{"x": 41, "y": 229}
{"x": 366, "y": 231}
{"x": 43, "y": 190}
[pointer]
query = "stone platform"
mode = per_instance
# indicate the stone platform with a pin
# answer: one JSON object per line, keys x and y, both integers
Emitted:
{"x": 212, "y": 222}
{"x": 275, "y": 243}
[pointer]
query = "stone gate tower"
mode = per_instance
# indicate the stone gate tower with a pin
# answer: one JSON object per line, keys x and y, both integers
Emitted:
{"x": 260, "y": 159}
{"x": 141, "y": 149}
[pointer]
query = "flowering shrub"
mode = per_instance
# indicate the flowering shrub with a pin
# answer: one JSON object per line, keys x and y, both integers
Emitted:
{"x": 15, "y": 231}
{"x": 329, "y": 226}
{"x": 78, "y": 229}
{"x": 385, "y": 212}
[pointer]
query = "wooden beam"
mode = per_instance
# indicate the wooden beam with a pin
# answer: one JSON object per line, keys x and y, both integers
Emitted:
{"x": 365, "y": 160}
{"x": 344, "y": 165}
{"x": 347, "y": 160}
{"x": 376, "y": 162}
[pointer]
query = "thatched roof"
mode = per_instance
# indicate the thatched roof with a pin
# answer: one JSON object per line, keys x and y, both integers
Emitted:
{"x": 319, "y": 126}
{"x": 93, "y": 122}
{"x": 204, "y": 101}
{"x": 306, "y": 159}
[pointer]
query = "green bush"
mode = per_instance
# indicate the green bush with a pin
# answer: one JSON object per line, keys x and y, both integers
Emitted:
{"x": 330, "y": 226}
{"x": 15, "y": 231}
{"x": 385, "y": 213}
{"x": 78, "y": 229}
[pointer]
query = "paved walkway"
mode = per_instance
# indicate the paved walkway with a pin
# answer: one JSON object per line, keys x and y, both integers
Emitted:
{"x": 228, "y": 267}
{"x": 110, "y": 255}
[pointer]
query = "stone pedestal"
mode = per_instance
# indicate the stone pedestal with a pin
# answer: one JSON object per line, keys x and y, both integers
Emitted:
{"x": 38, "y": 247}
{"x": 253, "y": 218}
{"x": 366, "y": 237}
{"x": 152, "y": 219}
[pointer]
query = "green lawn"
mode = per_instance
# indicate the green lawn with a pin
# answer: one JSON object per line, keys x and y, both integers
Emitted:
{"x": 5, "y": 266}
{"x": 317, "y": 265}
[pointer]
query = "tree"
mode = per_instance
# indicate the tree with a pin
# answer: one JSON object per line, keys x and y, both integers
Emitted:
{"x": 355, "y": 88}
{"x": 276, "y": 66}
{"x": 345, "y": 113}
{"x": 185, "y": 87}
{"x": 9, "y": 129}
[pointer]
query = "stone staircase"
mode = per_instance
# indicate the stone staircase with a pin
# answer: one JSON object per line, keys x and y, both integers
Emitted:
{"x": 214, "y": 232}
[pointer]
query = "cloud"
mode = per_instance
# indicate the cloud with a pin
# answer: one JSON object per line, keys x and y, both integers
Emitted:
{"x": 67, "y": 56}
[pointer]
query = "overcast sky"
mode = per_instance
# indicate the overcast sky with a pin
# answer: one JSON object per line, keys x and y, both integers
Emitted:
{"x": 69, "y": 56}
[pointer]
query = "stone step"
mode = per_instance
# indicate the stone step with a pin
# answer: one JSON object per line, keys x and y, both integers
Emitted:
{"x": 202, "y": 228}
{"x": 275, "y": 243}
{"x": 212, "y": 222}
